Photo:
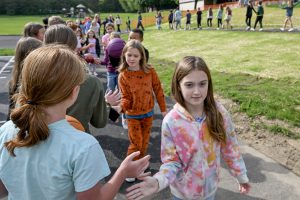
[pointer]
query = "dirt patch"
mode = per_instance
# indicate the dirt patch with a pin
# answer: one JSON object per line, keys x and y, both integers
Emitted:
{"x": 282, "y": 149}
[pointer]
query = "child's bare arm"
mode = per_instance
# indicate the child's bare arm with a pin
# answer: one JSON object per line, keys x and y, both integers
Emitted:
{"x": 128, "y": 168}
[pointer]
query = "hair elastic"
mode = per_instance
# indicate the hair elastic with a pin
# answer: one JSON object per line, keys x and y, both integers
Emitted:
{"x": 31, "y": 102}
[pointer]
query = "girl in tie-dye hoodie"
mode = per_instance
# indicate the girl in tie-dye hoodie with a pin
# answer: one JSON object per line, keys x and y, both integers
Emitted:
{"x": 196, "y": 133}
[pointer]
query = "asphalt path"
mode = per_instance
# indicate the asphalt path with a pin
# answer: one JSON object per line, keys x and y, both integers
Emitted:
{"x": 8, "y": 41}
{"x": 269, "y": 179}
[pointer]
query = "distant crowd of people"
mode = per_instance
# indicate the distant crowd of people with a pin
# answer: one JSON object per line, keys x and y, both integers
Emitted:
{"x": 175, "y": 16}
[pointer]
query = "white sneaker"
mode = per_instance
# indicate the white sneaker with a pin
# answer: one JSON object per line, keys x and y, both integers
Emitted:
{"x": 261, "y": 29}
{"x": 95, "y": 74}
{"x": 129, "y": 180}
{"x": 248, "y": 28}
{"x": 252, "y": 29}
{"x": 282, "y": 29}
{"x": 218, "y": 28}
{"x": 291, "y": 29}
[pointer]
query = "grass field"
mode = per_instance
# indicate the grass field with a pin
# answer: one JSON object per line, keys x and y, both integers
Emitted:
{"x": 258, "y": 70}
{"x": 273, "y": 18}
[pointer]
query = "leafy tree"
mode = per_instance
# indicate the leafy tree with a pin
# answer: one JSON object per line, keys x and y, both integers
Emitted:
{"x": 130, "y": 5}
{"x": 111, "y": 6}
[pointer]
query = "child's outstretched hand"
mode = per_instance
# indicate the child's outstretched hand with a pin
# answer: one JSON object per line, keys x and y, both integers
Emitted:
{"x": 134, "y": 168}
{"x": 113, "y": 97}
{"x": 143, "y": 189}
{"x": 244, "y": 188}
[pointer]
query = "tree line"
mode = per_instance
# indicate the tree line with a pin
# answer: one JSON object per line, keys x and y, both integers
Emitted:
{"x": 38, "y": 7}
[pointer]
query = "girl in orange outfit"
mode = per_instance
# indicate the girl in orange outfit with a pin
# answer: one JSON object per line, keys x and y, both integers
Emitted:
{"x": 138, "y": 81}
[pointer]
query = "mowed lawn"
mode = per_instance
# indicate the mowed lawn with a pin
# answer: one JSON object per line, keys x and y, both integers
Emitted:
{"x": 258, "y": 70}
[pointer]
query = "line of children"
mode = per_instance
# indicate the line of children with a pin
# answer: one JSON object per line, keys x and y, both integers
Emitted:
{"x": 196, "y": 133}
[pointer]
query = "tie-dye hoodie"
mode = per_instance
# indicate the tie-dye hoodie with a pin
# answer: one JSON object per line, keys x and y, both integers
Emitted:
{"x": 191, "y": 158}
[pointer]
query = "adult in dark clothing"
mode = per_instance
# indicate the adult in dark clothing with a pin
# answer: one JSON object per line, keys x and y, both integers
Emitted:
{"x": 199, "y": 18}
{"x": 249, "y": 15}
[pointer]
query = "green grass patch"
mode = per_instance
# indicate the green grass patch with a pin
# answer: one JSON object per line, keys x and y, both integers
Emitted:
{"x": 7, "y": 52}
{"x": 276, "y": 129}
{"x": 259, "y": 71}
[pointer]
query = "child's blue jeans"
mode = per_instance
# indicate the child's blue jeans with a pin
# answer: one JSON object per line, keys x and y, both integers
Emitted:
{"x": 112, "y": 80}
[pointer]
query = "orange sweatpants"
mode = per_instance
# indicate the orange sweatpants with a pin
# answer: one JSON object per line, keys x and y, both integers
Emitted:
{"x": 139, "y": 134}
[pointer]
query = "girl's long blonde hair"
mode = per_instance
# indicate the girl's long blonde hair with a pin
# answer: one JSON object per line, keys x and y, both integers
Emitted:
{"x": 214, "y": 118}
{"x": 49, "y": 76}
{"x": 136, "y": 45}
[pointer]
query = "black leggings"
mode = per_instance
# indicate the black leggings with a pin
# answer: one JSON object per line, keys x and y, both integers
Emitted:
{"x": 219, "y": 22}
{"x": 139, "y": 24}
{"x": 209, "y": 23}
{"x": 258, "y": 19}
{"x": 199, "y": 22}
{"x": 248, "y": 21}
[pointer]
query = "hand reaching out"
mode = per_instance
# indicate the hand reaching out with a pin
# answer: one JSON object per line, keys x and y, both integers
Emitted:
{"x": 134, "y": 168}
{"x": 143, "y": 189}
{"x": 113, "y": 98}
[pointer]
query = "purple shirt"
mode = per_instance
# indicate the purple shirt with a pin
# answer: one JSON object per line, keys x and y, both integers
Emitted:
{"x": 113, "y": 53}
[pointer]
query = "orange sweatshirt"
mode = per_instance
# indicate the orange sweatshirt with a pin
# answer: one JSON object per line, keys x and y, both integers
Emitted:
{"x": 137, "y": 92}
